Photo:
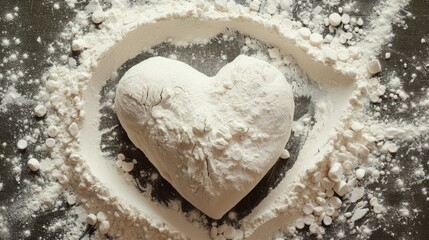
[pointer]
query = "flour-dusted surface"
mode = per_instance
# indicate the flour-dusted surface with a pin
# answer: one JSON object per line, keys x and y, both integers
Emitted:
{"x": 212, "y": 138}
{"x": 389, "y": 93}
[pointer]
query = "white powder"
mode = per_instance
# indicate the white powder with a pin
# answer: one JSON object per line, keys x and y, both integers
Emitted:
{"x": 22, "y": 144}
{"x": 344, "y": 142}
{"x": 33, "y": 164}
{"x": 9, "y": 17}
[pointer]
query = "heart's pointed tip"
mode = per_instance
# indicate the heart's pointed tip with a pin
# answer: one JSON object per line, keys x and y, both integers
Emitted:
{"x": 215, "y": 216}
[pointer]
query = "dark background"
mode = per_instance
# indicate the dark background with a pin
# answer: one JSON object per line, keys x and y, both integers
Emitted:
{"x": 40, "y": 19}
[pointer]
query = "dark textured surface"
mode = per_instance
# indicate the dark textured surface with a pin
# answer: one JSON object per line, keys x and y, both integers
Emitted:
{"x": 39, "y": 18}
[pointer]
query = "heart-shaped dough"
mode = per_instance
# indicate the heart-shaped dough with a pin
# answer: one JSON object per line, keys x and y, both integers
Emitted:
{"x": 212, "y": 138}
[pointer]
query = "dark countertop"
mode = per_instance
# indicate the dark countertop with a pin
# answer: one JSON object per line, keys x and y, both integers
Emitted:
{"x": 40, "y": 19}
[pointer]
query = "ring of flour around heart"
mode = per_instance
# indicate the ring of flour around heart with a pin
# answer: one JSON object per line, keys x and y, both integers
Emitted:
{"x": 207, "y": 24}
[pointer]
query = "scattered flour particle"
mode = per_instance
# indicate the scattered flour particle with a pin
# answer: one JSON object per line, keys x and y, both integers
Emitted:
{"x": 299, "y": 223}
{"x": 358, "y": 214}
{"x": 51, "y": 85}
{"x": 404, "y": 212}
{"x": 272, "y": 8}
{"x": 98, "y": 16}
{"x": 422, "y": 40}
{"x": 360, "y": 22}
{"x": 27, "y": 233}
{"x": 91, "y": 219}
{"x": 395, "y": 82}
{"x": 377, "y": 208}
{"x": 309, "y": 219}
{"x": 419, "y": 173}
{"x": 51, "y": 49}
{"x": 77, "y": 45}
{"x": 347, "y": 165}
{"x": 392, "y": 148}
{"x": 328, "y": 38}
{"x": 33, "y": 164}
{"x": 14, "y": 78}
{"x": 255, "y": 5}
{"x": 341, "y": 188}
{"x": 8, "y": 17}
{"x": 5, "y": 42}
{"x": 327, "y": 220}
{"x": 356, "y": 126}
{"x": 335, "y": 202}
{"x": 314, "y": 228}
{"x": 213, "y": 232}
{"x": 56, "y": 6}
{"x": 101, "y": 216}
{"x": 327, "y": 184}
{"x": 341, "y": 234}
{"x": 121, "y": 157}
{"x": 229, "y": 232}
{"x": 13, "y": 57}
{"x": 316, "y": 39}
{"x": 274, "y": 53}
{"x": 335, "y": 172}
{"x": 39, "y": 40}
{"x": 345, "y": 19}
{"x": 52, "y": 131}
{"x": 357, "y": 194}
{"x": 73, "y": 129}
{"x": 71, "y": 199}
{"x": 308, "y": 209}
{"x": 304, "y": 32}
{"x": 374, "y": 66}
{"x": 285, "y": 154}
{"x": 330, "y": 211}
{"x": 318, "y": 210}
{"x": 127, "y": 166}
{"x": 387, "y": 55}
{"x": 373, "y": 201}
{"x": 360, "y": 173}
{"x": 50, "y": 142}
{"x": 22, "y": 144}
{"x": 1, "y": 186}
{"x": 335, "y": 19}
{"x": 154, "y": 176}
{"x": 40, "y": 110}
{"x": 375, "y": 174}
{"x": 232, "y": 215}
{"x": 104, "y": 227}
{"x": 222, "y": 228}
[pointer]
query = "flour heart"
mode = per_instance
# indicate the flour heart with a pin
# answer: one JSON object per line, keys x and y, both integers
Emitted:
{"x": 212, "y": 138}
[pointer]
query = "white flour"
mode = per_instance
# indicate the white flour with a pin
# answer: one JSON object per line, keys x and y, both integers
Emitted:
{"x": 345, "y": 143}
